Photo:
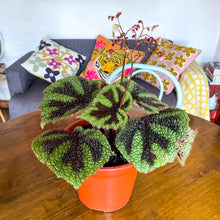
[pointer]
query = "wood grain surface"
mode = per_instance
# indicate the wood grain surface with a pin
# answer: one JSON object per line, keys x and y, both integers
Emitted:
{"x": 29, "y": 190}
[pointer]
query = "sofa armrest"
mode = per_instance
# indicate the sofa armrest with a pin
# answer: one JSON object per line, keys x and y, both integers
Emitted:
{"x": 19, "y": 80}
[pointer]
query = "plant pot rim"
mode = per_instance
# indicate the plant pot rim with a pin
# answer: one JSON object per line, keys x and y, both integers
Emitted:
{"x": 120, "y": 167}
{"x": 78, "y": 122}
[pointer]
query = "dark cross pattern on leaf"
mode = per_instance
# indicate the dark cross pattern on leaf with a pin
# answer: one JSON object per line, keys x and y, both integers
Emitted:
{"x": 104, "y": 111}
{"x": 67, "y": 88}
{"x": 109, "y": 108}
{"x": 138, "y": 93}
{"x": 74, "y": 154}
{"x": 149, "y": 137}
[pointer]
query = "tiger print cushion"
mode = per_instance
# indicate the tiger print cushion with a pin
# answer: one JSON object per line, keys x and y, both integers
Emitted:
{"x": 103, "y": 61}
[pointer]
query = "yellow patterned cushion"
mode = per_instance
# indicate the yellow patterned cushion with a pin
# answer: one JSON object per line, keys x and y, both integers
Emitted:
{"x": 175, "y": 59}
{"x": 195, "y": 91}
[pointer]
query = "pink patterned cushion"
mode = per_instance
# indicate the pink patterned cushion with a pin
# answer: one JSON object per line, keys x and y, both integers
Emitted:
{"x": 175, "y": 59}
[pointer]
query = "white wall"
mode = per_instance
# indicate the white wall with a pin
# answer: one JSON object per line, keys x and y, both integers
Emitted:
{"x": 193, "y": 23}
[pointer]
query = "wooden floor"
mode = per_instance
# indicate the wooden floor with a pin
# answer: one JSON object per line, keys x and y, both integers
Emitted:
{"x": 5, "y": 112}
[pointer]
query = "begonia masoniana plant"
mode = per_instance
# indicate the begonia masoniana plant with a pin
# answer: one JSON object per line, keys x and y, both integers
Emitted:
{"x": 113, "y": 138}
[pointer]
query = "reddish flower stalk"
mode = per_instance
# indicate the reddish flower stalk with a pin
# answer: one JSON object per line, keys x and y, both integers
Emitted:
{"x": 122, "y": 73}
{"x": 126, "y": 89}
{"x": 139, "y": 37}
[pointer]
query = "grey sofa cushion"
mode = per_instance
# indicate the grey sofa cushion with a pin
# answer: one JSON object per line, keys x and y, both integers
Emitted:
{"x": 18, "y": 78}
{"x": 22, "y": 103}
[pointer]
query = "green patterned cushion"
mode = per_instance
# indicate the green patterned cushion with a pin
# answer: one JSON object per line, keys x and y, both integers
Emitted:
{"x": 52, "y": 61}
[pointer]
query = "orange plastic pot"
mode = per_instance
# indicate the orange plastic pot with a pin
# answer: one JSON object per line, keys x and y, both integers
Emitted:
{"x": 110, "y": 188}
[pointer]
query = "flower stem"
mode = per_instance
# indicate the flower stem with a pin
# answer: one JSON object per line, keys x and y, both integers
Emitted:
{"x": 123, "y": 69}
{"x": 126, "y": 89}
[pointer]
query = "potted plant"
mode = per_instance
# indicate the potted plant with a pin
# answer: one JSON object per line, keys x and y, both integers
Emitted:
{"x": 109, "y": 142}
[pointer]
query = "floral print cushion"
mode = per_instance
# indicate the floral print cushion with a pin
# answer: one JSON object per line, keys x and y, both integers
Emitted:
{"x": 172, "y": 57}
{"x": 106, "y": 58}
{"x": 52, "y": 61}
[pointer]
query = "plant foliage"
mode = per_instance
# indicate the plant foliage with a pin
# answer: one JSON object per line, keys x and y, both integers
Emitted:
{"x": 147, "y": 142}
{"x": 150, "y": 141}
{"x": 66, "y": 97}
{"x": 72, "y": 156}
{"x": 143, "y": 98}
{"x": 105, "y": 110}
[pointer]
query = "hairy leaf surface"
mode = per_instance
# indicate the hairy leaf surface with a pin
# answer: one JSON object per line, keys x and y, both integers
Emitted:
{"x": 72, "y": 156}
{"x": 185, "y": 145}
{"x": 143, "y": 98}
{"x": 104, "y": 111}
{"x": 151, "y": 141}
{"x": 67, "y": 96}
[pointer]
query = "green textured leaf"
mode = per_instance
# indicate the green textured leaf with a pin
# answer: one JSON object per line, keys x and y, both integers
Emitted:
{"x": 104, "y": 111}
{"x": 185, "y": 145}
{"x": 151, "y": 141}
{"x": 72, "y": 156}
{"x": 67, "y": 96}
{"x": 143, "y": 98}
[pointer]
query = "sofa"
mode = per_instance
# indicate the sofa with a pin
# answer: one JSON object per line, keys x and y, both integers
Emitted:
{"x": 26, "y": 89}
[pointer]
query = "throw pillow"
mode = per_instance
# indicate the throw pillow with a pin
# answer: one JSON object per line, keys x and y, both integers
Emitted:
{"x": 172, "y": 57}
{"x": 106, "y": 58}
{"x": 52, "y": 61}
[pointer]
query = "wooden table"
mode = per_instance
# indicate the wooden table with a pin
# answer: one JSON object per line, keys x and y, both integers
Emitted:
{"x": 29, "y": 190}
